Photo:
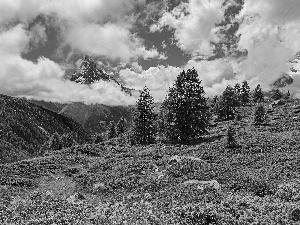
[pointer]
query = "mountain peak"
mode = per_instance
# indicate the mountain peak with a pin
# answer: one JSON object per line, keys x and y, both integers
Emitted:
{"x": 88, "y": 72}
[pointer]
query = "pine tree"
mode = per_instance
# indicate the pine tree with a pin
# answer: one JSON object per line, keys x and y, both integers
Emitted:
{"x": 258, "y": 95}
{"x": 260, "y": 115}
{"x": 245, "y": 93}
{"x": 143, "y": 128}
{"x": 54, "y": 142}
{"x": 111, "y": 130}
{"x": 121, "y": 126}
{"x": 277, "y": 95}
{"x": 288, "y": 95}
{"x": 227, "y": 104}
{"x": 186, "y": 110}
{"x": 237, "y": 91}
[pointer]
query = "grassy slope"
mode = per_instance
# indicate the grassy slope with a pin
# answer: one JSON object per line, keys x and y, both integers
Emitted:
{"x": 132, "y": 191}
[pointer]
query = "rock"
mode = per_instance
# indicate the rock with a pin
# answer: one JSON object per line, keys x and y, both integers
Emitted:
{"x": 76, "y": 198}
{"x": 177, "y": 158}
{"x": 99, "y": 186}
{"x": 295, "y": 214}
{"x": 202, "y": 185}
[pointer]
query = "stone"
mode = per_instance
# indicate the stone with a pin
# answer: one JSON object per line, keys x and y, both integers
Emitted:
{"x": 202, "y": 185}
{"x": 99, "y": 186}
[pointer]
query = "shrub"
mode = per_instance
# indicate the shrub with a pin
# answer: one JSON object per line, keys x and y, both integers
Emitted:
{"x": 260, "y": 115}
{"x": 289, "y": 191}
{"x": 231, "y": 143}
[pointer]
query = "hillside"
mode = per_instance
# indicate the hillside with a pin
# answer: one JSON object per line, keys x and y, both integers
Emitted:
{"x": 25, "y": 126}
{"x": 95, "y": 117}
{"x": 256, "y": 183}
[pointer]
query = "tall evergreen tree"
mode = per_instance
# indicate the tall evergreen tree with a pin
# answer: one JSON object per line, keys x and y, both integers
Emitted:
{"x": 288, "y": 95}
{"x": 237, "y": 90}
{"x": 245, "y": 93}
{"x": 227, "y": 104}
{"x": 121, "y": 126}
{"x": 258, "y": 95}
{"x": 143, "y": 128}
{"x": 111, "y": 130}
{"x": 185, "y": 107}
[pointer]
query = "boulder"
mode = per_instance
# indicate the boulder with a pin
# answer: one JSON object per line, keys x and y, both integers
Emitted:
{"x": 177, "y": 159}
{"x": 202, "y": 185}
{"x": 76, "y": 198}
{"x": 99, "y": 186}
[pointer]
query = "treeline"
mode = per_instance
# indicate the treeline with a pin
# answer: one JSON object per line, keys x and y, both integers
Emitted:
{"x": 186, "y": 113}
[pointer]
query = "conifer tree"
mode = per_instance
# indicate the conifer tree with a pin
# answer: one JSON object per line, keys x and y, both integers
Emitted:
{"x": 245, "y": 93}
{"x": 260, "y": 115}
{"x": 237, "y": 90}
{"x": 258, "y": 95}
{"x": 111, "y": 130}
{"x": 231, "y": 142}
{"x": 227, "y": 104}
{"x": 143, "y": 128}
{"x": 288, "y": 95}
{"x": 186, "y": 110}
{"x": 121, "y": 126}
{"x": 277, "y": 95}
{"x": 54, "y": 142}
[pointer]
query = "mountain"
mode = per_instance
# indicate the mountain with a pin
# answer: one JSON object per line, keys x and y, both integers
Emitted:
{"x": 96, "y": 117}
{"x": 88, "y": 73}
{"x": 25, "y": 127}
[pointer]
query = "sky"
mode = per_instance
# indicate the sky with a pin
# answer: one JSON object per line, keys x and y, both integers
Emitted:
{"x": 144, "y": 42}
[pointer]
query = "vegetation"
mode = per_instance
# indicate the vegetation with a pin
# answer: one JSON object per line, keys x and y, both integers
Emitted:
{"x": 185, "y": 110}
{"x": 277, "y": 95}
{"x": 111, "y": 131}
{"x": 245, "y": 93}
{"x": 227, "y": 104}
{"x": 144, "y": 132}
{"x": 260, "y": 115}
{"x": 231, "y": 143}
{"x": 258, "y": 95}
{"x": 121, "y": 127}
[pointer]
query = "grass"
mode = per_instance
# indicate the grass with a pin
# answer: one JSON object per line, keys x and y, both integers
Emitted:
{"x": 139, "y": 185}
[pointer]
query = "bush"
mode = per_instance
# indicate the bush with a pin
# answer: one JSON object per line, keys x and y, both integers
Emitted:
{"x": 289, "y": 191}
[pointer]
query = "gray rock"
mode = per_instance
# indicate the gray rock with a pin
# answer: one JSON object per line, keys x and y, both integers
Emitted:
{"x": 202, "y": 185}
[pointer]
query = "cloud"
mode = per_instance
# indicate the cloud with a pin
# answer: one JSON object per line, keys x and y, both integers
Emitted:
{"x": 194, "y": 24}
{"x": 44, "y": 79}
{"x": 270, "y": 32}
{"x": 110, "y": 40}
{"x": 157, "y": 79}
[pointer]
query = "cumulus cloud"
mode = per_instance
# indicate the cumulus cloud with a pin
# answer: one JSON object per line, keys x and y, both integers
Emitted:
{"x": 110, "y": 40}
{"x": 270, "y": 32}
{"x": 194, "y": 24}
{"x": 44, "y": 79}
{"x": 157, "y": 79}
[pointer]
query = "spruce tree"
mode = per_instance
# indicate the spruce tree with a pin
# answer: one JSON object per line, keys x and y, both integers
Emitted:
{"x": 258, "y": 95}
{"x": 185, "y": 107}
{"x": 143, "y": 128}
{"x": 227, "y": 104}
{"x": 245, "y": 93}
{"x": 111, "y": 130}
{"x": 277, "y": 95}
{"x": 288, "y": 95}
{"x": 121, "y": 126}
{"x": 237, "y": 90}
{"x": 260, "y": 115}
